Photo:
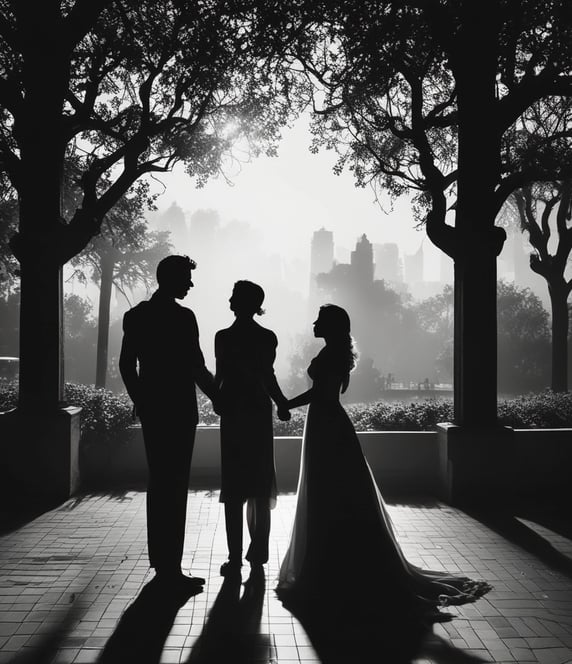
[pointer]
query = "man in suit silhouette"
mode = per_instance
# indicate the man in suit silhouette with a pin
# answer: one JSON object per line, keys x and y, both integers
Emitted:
{"x": 160, "y": 363}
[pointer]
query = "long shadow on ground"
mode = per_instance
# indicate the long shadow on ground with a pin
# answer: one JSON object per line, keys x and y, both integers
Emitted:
{"x": 144, "y": 627}
{"x": 17, "y": 511}
{"x": 232, "y": 631}
{"x": 52, "y": 638}
{"x": 507, "y": 523}
{"x": 348, "y": 625}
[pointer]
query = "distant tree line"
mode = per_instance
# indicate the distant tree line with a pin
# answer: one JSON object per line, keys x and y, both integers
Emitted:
{"x": 404, "y": 341}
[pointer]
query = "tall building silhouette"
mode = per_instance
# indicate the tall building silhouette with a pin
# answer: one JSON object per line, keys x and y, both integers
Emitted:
{"x": 414, "y": 267}
{"x": 361, "y": 261}
{"x": 321, "y": 260}
{"x": 322, "y": 256}
{"x": 205, "y": 228}
{"x": 173, "y": 220}
{"x": 388, "y": 265}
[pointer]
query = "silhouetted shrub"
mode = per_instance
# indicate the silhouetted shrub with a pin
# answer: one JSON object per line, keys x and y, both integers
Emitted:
{"x": 207, "y": 416}
{"x": 294, "y": 427}
{"x": 546, "y": 410}
{"x": 8, "y": 394}
{"x": 105, "y": 415}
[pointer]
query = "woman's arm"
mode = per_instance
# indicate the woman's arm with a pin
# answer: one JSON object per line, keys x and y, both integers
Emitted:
{"x": 269, "y": 377}
{"x": 302, "y": 399}
{"x": 325, "y": 388}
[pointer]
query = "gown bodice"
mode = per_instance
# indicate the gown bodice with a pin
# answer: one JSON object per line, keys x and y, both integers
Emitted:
{"x": 327, "y": 374}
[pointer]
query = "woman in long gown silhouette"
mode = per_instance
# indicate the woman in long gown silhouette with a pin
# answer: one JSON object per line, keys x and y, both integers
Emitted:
{"x": 245, "y": 354}
{"x": 342, "y": 532}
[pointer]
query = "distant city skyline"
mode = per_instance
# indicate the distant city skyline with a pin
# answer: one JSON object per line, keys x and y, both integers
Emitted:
{"x": 264, "y": 226}
{"x": 288, "y": 197}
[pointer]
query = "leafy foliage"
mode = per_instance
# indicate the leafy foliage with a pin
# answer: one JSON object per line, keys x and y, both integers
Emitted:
{"x": 10, "y": 324}
{"x": 523, "y": 336}
{"x": 9, "y": 271}
{"x": 523, "y": 340}
{"x": 133, "y": 88}
{"x": 125, "y": 247}
{"x": 394, "y": 85}
{"x": 80, "y": 338}
{"x": 8, "y": 394}
{"x": 545, "y": 410}
{"x": 207, "y": 416}
{"x": 544, "y": 211}
{"x": 105, "y": 415}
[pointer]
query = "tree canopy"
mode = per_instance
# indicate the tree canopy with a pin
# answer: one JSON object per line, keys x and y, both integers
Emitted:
{"x": 386, "y": 79}
{"x": 125, "y": 89}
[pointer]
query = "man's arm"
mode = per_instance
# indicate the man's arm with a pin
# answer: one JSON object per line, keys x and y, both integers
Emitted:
{"x": 128, "y": 362}
{"x": 218, "y": 360}
{"x": 201, "y": 375}
{"x": 271, "y": 383}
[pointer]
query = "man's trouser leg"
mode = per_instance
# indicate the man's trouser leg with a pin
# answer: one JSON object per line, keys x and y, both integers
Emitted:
{"x": 169, "y": 449}
{"x": 233, "y": 523}
{"x": 258, "y": 520}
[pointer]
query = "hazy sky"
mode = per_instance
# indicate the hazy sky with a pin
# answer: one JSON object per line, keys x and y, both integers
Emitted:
{"x": 290, "y": 196}
{"x": 267, "y": 218}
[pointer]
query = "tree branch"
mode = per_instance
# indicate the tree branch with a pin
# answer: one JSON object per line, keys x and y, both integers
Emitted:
{"x": 9, "y": 34}
{"x": 530, "y": 90}
{"x": 81, "y": 19}
{"x": 10, "y": 97}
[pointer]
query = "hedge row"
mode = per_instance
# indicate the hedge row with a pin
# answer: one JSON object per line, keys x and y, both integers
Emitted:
{"x": 547, "y": 410}
{"x": 105, "y": 414}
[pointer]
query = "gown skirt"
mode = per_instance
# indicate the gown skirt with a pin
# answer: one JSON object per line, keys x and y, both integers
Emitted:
{"x": 342, "y": 530}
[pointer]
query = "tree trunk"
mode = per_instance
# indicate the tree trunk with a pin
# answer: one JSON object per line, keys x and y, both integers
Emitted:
{"x": 475, "y": 336}
{"x": 559, "y": 304}
{"x": 38, "y": 130}
{"x": 107, "y": 265}
{"x": 475, "y": 343}
{"x": 41, "y": 356}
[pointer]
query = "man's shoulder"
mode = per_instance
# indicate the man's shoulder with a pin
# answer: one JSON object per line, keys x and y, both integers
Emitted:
{"x": 139, "y": 310}
{"x": 155, "y": 312}
{"x": 185, "y": 313}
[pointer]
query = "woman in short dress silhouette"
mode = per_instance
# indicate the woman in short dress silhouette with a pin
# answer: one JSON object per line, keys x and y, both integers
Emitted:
{"x": 245, "y": 354}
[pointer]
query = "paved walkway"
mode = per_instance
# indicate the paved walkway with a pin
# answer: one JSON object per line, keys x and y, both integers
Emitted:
{"x": 72, "y": 579}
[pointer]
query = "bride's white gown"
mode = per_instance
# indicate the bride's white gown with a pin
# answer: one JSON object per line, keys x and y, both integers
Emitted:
{"x": 342, "y": 530}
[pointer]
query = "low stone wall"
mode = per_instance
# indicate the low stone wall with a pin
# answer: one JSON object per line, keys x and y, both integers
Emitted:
{"x": 401, "y": 460}
{"x": 406, "y": 462}
{"x": 543, "y": 462}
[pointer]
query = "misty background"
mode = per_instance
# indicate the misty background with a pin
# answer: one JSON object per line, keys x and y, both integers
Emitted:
{"x": 307, "y": 236}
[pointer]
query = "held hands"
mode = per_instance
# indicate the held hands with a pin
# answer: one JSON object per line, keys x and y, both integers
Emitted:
{"x": 217, "y": 405}
{"x": 283, "y": 412}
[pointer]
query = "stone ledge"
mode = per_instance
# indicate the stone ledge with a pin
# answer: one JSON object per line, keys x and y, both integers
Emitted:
{"x": 41, "y": 453}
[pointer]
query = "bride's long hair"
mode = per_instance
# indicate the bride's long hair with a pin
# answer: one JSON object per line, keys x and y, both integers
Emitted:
{"x": 340, "y": 339}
